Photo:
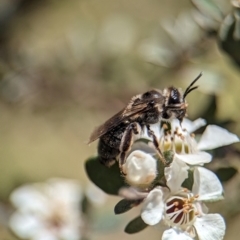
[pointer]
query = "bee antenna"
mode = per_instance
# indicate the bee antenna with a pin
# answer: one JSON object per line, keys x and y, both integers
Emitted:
{"x": 190, "y": 88}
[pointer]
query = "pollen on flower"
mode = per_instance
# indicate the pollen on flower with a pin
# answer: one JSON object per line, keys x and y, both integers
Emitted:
{"x": 181, "y": 136}
{"x": 176, "y": 139}
{"x": 186, "y": 207}
{"x": 176, "y": 203}
{"x": 165, "y": 126}
{"x": 192, "y": 135}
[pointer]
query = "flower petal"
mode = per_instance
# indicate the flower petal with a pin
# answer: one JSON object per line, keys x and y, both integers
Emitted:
{"x": 176, "y": 174}
{"x": 45, "y": 235}
{"x": 192, "y": 126}
{"x": 197, "y": 158}
{"x": 70, "y": 232}
{"x": 29, "y": 197}
{"x": 187, "y": 124}
{"x": 210, "y": 227}
{"x": 131, "y": 193}
{"x": 207, "y": 185}
{"x": 215, "y": 136}
{"x": 154, "y": 127}
{"x": 24, "y": 225}
{"x": 153, "y": 207}
{"x": 175, "y": 234}
{"x": 65, "y": 190}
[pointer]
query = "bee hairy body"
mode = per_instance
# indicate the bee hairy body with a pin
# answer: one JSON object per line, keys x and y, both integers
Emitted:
{"x": 117, "y": 134}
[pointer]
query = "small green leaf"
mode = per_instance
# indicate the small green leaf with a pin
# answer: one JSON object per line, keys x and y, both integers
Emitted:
{"x": 188, "y": 182}
{"x": 125, "y": 205}
{"x": 225, "y": 174}
{"x": 168, "y": 155}
{"x": 85, "y": 205}
{"x": 160, "y": 179}
{"x": 135, "y": 226}
{"x": 108, "y": 179}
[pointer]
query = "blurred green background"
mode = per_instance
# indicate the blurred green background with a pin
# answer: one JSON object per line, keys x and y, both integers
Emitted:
{"x": 67, "y": 66}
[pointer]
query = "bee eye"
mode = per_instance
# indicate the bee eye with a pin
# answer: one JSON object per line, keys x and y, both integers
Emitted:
{"x": 147, "y": 95}
{"x": 175, "y": 97}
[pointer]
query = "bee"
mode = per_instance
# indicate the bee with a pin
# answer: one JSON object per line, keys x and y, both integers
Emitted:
{"x": 117, "y": 134}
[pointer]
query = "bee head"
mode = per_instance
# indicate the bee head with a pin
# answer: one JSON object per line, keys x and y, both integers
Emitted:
{"x": 175, "y": 104}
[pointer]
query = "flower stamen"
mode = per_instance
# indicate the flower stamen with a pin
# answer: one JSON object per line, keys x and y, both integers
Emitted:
{"x": 180, "y": 211}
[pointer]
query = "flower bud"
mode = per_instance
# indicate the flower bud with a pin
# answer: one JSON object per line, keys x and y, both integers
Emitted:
{"x": 140, "y": 169}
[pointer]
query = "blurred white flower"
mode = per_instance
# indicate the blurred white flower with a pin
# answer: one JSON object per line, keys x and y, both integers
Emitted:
{"x": 47, "y": 211}
{"x": 184, "y": 211}
{"x": 140, "y": 169}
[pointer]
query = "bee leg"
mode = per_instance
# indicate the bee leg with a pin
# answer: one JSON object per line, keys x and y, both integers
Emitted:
{"x": 127, "y": 141}
{"x": 156, "y": 145}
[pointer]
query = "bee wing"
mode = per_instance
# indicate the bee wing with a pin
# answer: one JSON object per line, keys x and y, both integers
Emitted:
{"x": 131, "y": 110}
{"x": 107, "y": 126}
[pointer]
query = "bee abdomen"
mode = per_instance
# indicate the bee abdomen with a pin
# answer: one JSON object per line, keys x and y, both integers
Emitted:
{"x": 107, "y": 153}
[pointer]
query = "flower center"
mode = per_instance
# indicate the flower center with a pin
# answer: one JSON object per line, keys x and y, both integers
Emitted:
{"x": 56, "y": 218}
{"x": 181, "y": 211}
{"x": 177, "y": 140}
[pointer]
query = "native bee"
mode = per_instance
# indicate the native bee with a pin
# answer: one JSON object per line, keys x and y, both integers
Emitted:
{"x": 117, "y": 134}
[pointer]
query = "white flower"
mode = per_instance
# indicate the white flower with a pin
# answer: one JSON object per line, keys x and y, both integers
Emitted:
{"x": 140, "y": 169}
{"x": 184, "y": 211}
{"x": 47, "y": 211}
{"x": 181, "y": 140}
{"x": 214, "y": 137}
{"x": 175, "y": 174}
{"x": 188, "y": 152}
{"x": 181, "y": 210}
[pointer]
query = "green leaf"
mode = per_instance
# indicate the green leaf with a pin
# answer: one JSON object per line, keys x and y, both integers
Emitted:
{"x": 108, "y": 179}
{"x": 135, "y": 226}
{"x": 168, "y": 155}
{"x": 188, "y": 182}
{"x": 225, "y": 174}
{"x": 125, "y": 205}
{"x": 85, "y": 205}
